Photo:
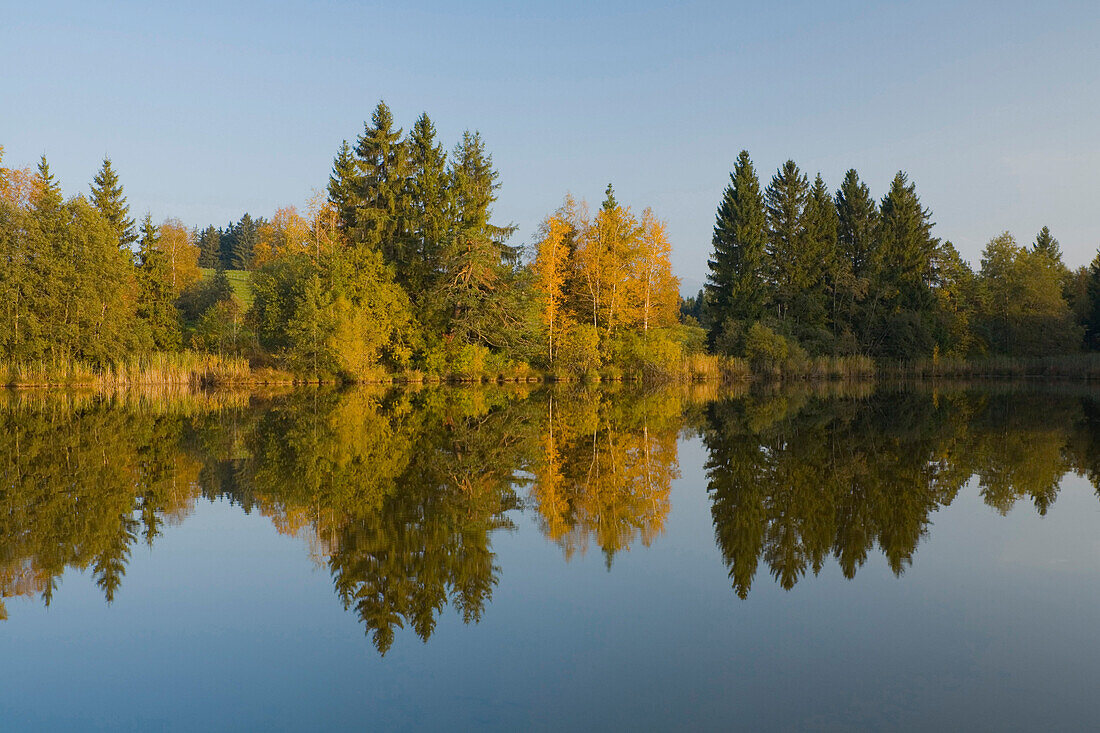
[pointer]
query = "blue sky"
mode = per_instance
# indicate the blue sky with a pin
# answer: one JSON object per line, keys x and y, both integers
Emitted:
{"x": 212, "y": 109}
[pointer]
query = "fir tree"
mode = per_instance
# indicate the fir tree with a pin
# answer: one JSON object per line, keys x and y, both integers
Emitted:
{"x": 108, "y": 197}
{"x": 478, "y": 261}
{"x": 48, "y": 191}
{"x": 430, "y": 201}
{"x": 735, "y": 287}
{"x": 907, "y": 246}
{"x": 343, "y": 186}
{"x": 820, "y": 256}
{"x": 1092, "y": 319}
{"x": 609, "y": 201}
{"x": 1046, "y": 244}
{"x": 785, "y": 204}
{"x": 209, "y": 241}
{"x": 238, "y": 242}
{"x": 857, "y": 221}
{"x": 382, "y": 197}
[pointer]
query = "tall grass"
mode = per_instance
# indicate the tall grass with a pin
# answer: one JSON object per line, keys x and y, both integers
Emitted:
{"x": 1070, "y": 367}
{"x": 187, "y": 368}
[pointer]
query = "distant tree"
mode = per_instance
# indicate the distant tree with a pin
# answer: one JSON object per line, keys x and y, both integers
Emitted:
{"x": 238, "y": 243}
{"x": 209, "y": 241}
{"x": 176, "y": 242}
{"x": 108, "y": 198}
{"x": 1092, "y": 319}
{"x": 1047, "y": 244}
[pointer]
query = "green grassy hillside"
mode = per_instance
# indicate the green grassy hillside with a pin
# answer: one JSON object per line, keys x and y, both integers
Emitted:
{"x": 241, "y": 280}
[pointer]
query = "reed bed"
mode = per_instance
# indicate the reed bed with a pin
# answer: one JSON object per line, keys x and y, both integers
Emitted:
{"x": 1080, "y": 367}
{"x": 185, "y": 369}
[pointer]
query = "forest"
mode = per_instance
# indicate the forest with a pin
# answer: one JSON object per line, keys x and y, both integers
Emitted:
{"x": 798, "y": 270}
{"x": 399, "y": 271}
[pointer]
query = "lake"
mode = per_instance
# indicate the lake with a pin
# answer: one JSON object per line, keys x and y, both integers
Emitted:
{"x": 830, "y": 558}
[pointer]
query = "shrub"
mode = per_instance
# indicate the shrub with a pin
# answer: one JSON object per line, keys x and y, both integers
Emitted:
{"x": 579, "y": 350}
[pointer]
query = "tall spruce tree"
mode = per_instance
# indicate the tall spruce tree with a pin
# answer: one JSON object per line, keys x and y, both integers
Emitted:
{"x": 735, "y": 289}
{"x": 785, "y": 204}
{"x": 108, "y": 197}
{"x": 48, "y": 191}
{"x": 857, "y": 226}
{"x": 479, "y": 262}
{"x": 816, "y": 303}
{"x": 382, "y": 198}
{"x": 343, "y": 186}
{"x": 430, "y": 201}
{"x": 156, "y": 306}
{"x": 857, "y": 222}
{"x": 908, "y": 248}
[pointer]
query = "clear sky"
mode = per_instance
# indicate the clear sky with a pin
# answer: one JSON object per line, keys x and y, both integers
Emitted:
{"x": 212, "y": 109}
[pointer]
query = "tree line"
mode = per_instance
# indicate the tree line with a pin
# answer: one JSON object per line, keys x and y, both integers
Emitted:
{"x": 399, "y": 267}
{"x": 797, "y": 268}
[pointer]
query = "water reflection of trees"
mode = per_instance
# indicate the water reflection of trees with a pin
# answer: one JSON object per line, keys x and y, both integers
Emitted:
{"x": 398, "y": 493}
{"x": 795, "y": 479}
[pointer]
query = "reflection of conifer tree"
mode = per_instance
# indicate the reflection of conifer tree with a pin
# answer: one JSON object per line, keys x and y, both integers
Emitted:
{"x": 110, "y": 565}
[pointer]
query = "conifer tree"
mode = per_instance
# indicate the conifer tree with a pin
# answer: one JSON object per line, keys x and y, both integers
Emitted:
{"x": 108, "y": 197}
{"x": 48, "y": 189}
{"x": 857, "y": 225}
{"x": 343, "y": 186}
{"x": 820, "y": 256}
{"x": 478, "y": 263}
{"x": 156, "y": 303}
{"x": 382, "y": 196}
{"x": 1047, "y": 244}
{"x": 209, "y": 241}
{"x": 785, "y": 204}
{"x": 1092, "y": 319}
{"x": 238, "y": 242}
{"x": 430, "y": 200}
{"x": 907, "y": 246}
{"x": 857, "y": 221}
{"x": 735, "y": 287}
{"x": 609, "y": 200}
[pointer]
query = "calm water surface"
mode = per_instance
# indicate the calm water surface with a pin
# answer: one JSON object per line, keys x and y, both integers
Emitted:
{"x": 458, "y": 559}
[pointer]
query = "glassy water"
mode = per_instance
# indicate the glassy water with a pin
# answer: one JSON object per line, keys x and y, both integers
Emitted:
{"x": 551, "y": 558}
